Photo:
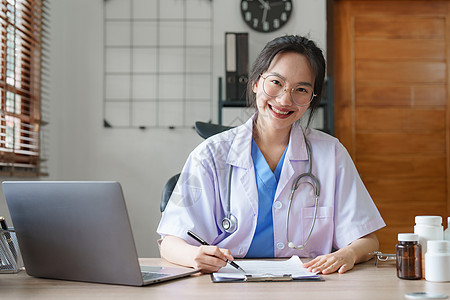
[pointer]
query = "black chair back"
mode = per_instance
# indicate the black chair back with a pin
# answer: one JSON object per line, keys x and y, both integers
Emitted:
{"x": 205, "y": 130}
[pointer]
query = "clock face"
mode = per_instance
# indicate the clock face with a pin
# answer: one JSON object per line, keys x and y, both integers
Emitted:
{"x": 266, "y": 15}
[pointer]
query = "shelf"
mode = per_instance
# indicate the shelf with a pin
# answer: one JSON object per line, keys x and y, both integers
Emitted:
{"x": 227, "y": 103}
{"x": 234, "y": 103}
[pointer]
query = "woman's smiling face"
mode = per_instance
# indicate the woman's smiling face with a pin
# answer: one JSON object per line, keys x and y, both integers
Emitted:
{"x": 281, "y": 112}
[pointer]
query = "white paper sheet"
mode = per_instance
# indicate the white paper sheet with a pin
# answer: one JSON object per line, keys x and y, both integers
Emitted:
{"x": 262, "y": 268}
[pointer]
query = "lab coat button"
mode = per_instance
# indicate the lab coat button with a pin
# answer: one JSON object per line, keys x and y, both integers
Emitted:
{"x": 280, "y": 245}
{"x": 278, "y": 204}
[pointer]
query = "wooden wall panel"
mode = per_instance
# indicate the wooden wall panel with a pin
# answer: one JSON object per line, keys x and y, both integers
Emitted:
{"x": 389, "y": 192}
{"x": 399, "y": 27}
{"x": 392, "y": 95}
{"x": 399, "y": 8}
{"x": 435, "y": 96}
{"x": 382, "y": 95}
{"x": 400, "y": 119}
{"x": 391, "y": 105}
{"x": 399, "y": 49}
{"x": 401, "y": 72}
{"x": 342, "y": 60}
{"x": 400, "y": 143}
{"x": 400, "y": 166}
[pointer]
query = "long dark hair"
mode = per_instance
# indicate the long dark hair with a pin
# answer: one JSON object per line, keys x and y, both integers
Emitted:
{"x": 289, "y": 43}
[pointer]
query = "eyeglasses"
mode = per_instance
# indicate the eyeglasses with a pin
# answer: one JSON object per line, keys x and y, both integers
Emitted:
{"x": 274, "y": 86}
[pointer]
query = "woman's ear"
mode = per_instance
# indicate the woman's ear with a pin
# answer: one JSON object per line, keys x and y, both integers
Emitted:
{"x": 255, "y": 86}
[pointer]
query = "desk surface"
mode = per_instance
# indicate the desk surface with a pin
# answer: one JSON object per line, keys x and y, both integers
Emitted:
{"x": 365, "y": 281}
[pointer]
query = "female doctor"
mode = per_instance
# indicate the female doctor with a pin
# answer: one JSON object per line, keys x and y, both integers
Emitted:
{"x": 271, "y": 188}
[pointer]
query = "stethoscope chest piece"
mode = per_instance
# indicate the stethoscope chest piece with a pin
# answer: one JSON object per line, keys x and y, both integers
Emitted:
{"x": 229, "y": 223}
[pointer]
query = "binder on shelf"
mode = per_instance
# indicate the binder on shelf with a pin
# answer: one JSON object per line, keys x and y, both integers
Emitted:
{"x": 242, "y": 65}
{"x": 236, "y": 65}
{"x": 230, "y": 66}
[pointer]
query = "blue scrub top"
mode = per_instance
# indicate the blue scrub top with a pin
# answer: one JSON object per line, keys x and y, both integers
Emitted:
{"x": 266, "y": 182}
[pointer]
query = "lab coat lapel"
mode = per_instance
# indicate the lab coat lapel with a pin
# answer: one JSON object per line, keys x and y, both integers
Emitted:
{"x": 240, "y": 157}
{"x": 296, "y": 152}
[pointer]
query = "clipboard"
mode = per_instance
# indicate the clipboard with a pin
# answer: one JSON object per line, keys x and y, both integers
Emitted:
{"x": 266, "y": 278}
{"x": 266, "y": 271}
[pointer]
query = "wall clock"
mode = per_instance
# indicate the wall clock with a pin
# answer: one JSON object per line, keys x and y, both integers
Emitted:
{"x": 266, "y": 15}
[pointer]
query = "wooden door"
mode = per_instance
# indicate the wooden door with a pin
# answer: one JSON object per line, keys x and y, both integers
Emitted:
{"x": 392, "y": 112}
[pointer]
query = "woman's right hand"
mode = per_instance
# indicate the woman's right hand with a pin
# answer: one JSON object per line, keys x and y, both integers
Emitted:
{"x": 209, "y": 259}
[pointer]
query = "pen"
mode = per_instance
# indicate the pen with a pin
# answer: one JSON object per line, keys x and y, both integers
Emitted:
{"x": 8, "y": 237}
{"x": 203, "y": 242}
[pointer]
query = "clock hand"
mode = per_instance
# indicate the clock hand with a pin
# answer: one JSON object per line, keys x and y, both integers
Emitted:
{"x": 263, "y": 3}
{"x": 266, "y": 6}
{"x": 264, "y": 16}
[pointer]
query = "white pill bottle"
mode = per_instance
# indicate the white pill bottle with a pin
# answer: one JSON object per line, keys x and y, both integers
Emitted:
{"x": 437, "y": 261}
{"x": 428, "y": 228}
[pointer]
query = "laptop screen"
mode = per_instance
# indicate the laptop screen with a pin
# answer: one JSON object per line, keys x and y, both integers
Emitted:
{"x": 74, "y": 231}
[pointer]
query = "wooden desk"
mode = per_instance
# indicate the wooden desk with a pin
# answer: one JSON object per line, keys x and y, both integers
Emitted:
{"x": 365, "y": 281}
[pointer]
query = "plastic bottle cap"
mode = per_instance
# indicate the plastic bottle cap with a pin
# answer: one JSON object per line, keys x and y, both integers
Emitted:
{"x": 438, "y": 246}
{"x": 408, "y": 237}
{"x": 429, "y": 220}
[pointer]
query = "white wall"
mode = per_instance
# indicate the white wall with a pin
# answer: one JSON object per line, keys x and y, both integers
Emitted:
{"x": 142, "y": 160}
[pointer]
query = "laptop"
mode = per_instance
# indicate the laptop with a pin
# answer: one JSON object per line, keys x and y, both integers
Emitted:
{"x": 79, "y": 231}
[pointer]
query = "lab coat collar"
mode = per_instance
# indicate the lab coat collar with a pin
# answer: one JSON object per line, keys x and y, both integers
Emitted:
{"x": 297, "y": 146}
{"x": 296, "y": 152}
{"x": 240, "y": 150}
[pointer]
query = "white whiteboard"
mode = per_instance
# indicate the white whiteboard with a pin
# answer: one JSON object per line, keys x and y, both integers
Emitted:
{"x": 157, "y": 63}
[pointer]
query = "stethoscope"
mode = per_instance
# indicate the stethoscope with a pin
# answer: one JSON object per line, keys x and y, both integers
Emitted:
{"x": 229, "y": 223}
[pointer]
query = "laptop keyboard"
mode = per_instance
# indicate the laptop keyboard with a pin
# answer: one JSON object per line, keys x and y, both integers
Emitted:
{"x": 152, "y": 275}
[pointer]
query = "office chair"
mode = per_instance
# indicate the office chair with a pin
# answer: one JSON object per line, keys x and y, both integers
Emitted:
{"x": 205, "y": 130}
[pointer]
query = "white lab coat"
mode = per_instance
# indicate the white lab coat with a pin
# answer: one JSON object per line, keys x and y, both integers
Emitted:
{"x": 346, "y": 212}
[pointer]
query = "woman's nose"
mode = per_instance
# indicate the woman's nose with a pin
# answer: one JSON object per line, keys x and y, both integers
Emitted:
{"x": 285, "y": 98}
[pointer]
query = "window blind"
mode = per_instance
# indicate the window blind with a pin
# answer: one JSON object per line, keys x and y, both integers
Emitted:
{"x": 23, "y": 34}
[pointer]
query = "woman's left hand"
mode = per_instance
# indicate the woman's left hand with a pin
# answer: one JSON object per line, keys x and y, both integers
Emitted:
{"x": 340, "y": 261}
{"x": 344, "y": 259}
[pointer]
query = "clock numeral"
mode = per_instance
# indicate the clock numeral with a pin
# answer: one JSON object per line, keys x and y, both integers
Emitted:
{"x": 248, "y": 16}
{"x": 276, "y": 23}
{"x": 283, "y": 17}
{"x": 244, "y": 5}
{"x": 266, "y": 26}
{"x": 288, "y": 6}
{"x": 255, "y": 22}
